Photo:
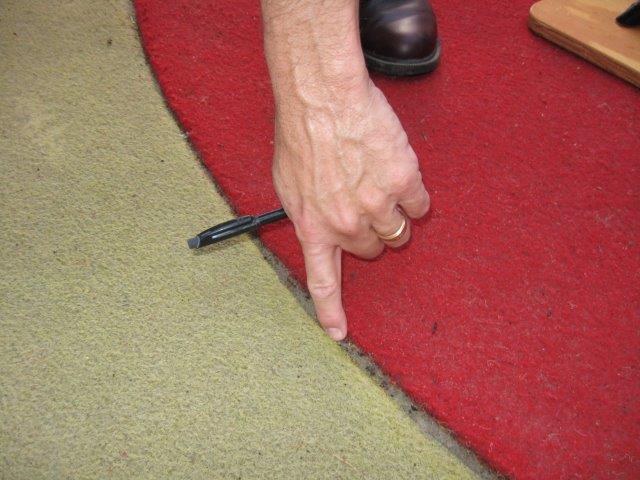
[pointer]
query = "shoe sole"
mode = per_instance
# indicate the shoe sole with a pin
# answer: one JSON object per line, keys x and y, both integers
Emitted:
{"x": 403, "y": 68}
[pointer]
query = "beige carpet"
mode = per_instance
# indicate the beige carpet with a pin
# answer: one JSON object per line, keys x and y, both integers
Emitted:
{"x": 122, "y": 353}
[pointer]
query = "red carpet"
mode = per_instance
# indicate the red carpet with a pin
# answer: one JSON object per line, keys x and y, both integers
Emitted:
{"x": 514, "y": 317}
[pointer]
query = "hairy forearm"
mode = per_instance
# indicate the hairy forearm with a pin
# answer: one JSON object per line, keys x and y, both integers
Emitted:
{"x": 313, "y": 49}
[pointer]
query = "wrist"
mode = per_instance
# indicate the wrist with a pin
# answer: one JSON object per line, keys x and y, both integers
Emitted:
{"x": 313, "y": 52}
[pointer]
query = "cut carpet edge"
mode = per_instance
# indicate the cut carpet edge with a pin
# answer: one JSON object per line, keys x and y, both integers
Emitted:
{"x": 427, "y": 424}
{"x": 124, "y": 430}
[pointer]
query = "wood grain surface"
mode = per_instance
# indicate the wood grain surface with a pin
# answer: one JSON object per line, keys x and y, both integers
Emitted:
{"x": 588, "y": 28}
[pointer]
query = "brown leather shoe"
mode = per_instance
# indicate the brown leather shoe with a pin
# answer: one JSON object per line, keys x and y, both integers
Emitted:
{"x": 399, "y": 37}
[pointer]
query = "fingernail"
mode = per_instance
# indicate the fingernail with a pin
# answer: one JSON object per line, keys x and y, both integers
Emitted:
{"x": 335, "y": 333}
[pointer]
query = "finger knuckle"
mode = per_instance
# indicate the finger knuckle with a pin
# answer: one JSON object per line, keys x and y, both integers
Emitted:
{"x": 373, "y": 251}
{"x": 323, "y": 290}
{"x": 366, "y": 248}
{"x": 306, "y": 229}
{"x": 349, "y": 229}
{"x": 403, "y": 140}
{"x": 402, "y": 178}
{"x": 374, "y": 202}
{"x": 348, "y": 224}
{"x": 427, "y": 202}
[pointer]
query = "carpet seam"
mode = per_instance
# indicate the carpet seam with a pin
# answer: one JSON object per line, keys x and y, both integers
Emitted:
{"x": 426, "y": 423}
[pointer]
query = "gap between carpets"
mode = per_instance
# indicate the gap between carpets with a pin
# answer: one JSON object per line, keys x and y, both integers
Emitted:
{"x": 428, "y": 425}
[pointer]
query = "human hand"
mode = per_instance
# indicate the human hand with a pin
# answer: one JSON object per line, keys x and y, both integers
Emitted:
{"x": 345, "y": 172}
{"x": 343, "y": 167}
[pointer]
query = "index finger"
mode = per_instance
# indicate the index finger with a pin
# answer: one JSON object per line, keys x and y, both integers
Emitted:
{"x": 324, "y": 272}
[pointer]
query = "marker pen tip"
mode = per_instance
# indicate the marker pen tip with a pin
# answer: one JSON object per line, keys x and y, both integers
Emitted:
{"x": 193, "y": 242}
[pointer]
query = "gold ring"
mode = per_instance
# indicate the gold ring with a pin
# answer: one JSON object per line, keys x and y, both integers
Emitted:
{"x": 397, "y": 234}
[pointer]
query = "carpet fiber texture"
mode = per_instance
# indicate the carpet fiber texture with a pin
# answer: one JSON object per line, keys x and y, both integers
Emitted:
{"x": 123, "y": 354}
{"x": 514, "y": 316}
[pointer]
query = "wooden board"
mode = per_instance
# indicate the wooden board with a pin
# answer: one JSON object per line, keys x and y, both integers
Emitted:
{"x": 588, "y": 28}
